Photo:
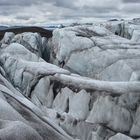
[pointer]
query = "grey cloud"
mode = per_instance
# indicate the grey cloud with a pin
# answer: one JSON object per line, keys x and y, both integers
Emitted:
{"x": 6, "y": 10}
{"x": 39, "y": 11}
{"x": 16, "y": 2}
{"x": 99, "y": 10}
{"x": 23, "y": 17}
{"x": 59, "y": 3}
{"x": 64, "y": 3}
{"x": 132, "y": 8}
{"x": 131, "y": 1}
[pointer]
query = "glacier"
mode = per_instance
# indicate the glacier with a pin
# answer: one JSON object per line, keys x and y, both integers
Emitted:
{"x": 82, "y": 83}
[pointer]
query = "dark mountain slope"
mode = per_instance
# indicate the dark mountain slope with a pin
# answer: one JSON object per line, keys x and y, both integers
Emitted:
{"x": 17, "y": 30}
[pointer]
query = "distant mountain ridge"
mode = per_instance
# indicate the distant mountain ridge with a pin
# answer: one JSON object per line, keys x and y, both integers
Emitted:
{"x": 20, "y": 29}
{"x": 3, "y": 27}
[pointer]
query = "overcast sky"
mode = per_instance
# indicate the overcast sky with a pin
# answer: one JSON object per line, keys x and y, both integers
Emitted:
{"x": 41, "y": 12}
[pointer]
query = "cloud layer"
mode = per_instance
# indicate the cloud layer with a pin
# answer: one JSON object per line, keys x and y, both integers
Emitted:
{"x": 41, "y": 12}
